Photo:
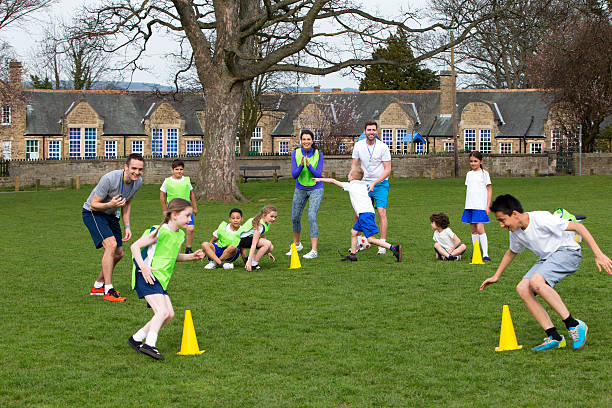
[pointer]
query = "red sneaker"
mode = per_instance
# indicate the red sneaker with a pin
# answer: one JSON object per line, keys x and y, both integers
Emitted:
{"x": 113, "y": 296}
{"x": 97, "y": 291}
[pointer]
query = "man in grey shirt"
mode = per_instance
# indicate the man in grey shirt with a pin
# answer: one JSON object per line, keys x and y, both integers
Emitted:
{"x": 110, "y": 200}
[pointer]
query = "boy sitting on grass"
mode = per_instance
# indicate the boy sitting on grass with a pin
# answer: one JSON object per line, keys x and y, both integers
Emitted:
{"x": 362, "y": 204}
{"x": 560, "y": 256}
{"x": 222, "y": 249}
{"x": 448, "y": 246}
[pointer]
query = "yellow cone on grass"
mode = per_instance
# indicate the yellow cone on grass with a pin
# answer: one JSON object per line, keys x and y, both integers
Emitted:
{"x": 295, "y": 258}
{"x": 476, "y": 255}
{"x": 189, "y": 344}
{"x": 507, "y": 337}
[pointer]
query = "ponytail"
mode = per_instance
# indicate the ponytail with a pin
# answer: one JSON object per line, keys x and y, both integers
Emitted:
{"x": 264, "y": 211}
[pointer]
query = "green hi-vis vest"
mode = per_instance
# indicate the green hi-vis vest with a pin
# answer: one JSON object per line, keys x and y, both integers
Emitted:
{"x": 164, "y": 257}
{"x": 178, "y": 189}
{"x": 226, "y": 238}
{"x": 248, "y": 225}
{"x": 305, "y": 178}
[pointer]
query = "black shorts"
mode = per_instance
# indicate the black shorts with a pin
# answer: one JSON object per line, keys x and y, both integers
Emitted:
{"x": 246, "y": 242}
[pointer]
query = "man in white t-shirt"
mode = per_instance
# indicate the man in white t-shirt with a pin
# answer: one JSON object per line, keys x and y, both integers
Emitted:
{"x": 375, "y": 159}
{"x": 560, "y": 256}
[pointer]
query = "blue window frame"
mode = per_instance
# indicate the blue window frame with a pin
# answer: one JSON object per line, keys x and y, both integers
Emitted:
{"x": 137, "y": 146}
{"x": 193, "y": 147}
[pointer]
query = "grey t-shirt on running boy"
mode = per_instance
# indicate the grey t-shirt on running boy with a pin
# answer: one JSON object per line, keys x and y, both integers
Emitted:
{"x": 110, "y": 185}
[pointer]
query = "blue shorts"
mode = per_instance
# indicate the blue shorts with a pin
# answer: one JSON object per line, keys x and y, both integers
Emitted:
{"x": 366, "y": 224}
{"x": 560, "y": 264}
{"x": 380, "y": 194}
{"x": 143, "y": 288}
{"x": 101, "y": 226}
{"x": 474, "y": 216}
{"x": 191, "y": 221}
{"x": 219, "y": 252}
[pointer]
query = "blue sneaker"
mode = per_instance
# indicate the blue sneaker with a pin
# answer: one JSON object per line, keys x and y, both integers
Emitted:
{"x": 550, "y": 343}
{"x": 578, "y": 335}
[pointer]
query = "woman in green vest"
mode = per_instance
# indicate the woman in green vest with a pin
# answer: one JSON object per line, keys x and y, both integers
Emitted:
{"x": 306, "y": 164}
{"x": 155, "y": 255}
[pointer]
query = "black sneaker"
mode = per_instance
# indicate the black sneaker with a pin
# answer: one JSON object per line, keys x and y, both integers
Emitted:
{"x": 486, "y": 259}
{"x": 397, "y": 253}
{"x": 349, "y": 257}
{"x": 256, "y": 268}
{"x": 134, "y": 344}
{"x": 150, "y": 351}
{"x": 451, "y": 258}
{"x": 188, "y": 250}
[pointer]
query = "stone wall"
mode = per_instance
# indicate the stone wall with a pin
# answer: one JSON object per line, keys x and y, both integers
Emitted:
{"x": 51, "y": 172}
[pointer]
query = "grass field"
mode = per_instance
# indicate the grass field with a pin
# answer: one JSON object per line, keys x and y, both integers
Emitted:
{"x": 365, "y": 334}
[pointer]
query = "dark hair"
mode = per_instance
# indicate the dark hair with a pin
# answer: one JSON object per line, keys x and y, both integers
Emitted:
{"x": 235, "y": 210}
{"x": 177, "y": 162}
{"x": 134, "y": 156}
{"x": 477, "y": 155}
{"x": 370, "y": 123}
{"x": 308, "y": 132}
{"x": 506, "y": 204}
{"x": 441, "y": 219}
{"x": 264, "y": 211}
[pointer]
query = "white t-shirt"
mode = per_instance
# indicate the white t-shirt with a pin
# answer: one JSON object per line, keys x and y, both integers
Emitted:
{"x": 476, "y": 194}
{"x": 358, "y": 192}
{"x": 164, "y": 188}
{"x": 371, "y": 158}
{"x": 446, "y": 238}
{"x": 544, "y": 235}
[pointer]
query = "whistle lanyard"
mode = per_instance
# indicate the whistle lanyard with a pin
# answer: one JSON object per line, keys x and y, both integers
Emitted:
{"x": 122, "y": 181}
{"x": 371, "y": 152}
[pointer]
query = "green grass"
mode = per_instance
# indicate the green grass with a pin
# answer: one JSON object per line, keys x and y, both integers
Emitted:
{"x": 331, "y": 334}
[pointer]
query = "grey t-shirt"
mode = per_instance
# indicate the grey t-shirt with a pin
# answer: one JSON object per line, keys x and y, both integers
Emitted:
{"x": 110, "y": 185}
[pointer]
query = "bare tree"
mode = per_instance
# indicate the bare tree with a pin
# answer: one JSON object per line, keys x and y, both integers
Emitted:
{"x": 14, "y": 10}
{"x": 223, "y": 35}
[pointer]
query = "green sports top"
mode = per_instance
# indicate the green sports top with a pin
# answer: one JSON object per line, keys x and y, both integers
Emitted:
{"x": 162, "y": 254}
{"x": 248, "y": 226}
{"x": 178, "y": 189}
{"x": 226, "y": 238}
{"x": 305, "y": 178}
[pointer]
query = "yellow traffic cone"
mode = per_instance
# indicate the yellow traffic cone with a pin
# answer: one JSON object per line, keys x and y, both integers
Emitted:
{"x": 189, "y": 345}
{"x": 295, "y": 258}
{"x": 507, "y": 338}
{"x": 476, "y": 255}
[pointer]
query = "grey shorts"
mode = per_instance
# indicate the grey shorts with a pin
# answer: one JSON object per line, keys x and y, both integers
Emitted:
{"x": 562, "y": 263}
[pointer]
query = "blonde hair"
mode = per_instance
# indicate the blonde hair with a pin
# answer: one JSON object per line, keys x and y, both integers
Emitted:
{"x": 264, "y": 211}
{"x": 357, "y": 172}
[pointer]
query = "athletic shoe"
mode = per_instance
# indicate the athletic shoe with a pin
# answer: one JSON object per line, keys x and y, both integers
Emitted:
{"x": 397, "y": 253}
{"x": 188, "y": 250}
{"x": 382, "y": 251}
{"x": 134, "y": 344}
{"x": 578, "y": 335}
{"x": 311, "y": 255}
{"x": 256, "y": 267}
{"x": 550, "y": 343}
{"x": 113, "y": 296}
{"x": 211, "y": 265}
{"x": 97, "y": 291}
{"x": 150, "y": 351}
{"x": 457, "y": 257}
{"x": 228, "y": 265}
{"x": 486, "y": 259}
{"x": 299, "y": 247}
{"x": 349, "y": 257}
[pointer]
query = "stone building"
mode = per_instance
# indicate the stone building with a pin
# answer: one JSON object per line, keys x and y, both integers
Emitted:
{"x": 71, "y": 124}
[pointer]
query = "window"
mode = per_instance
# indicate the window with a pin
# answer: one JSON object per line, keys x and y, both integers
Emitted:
{"x": 535, "y": 148}
{"x": 555, "y": 139}
{"x": 318, "y": 139}
{"x": 257, "y": 133}
{"x": 193, "y": 147}
{"x": 342, "y": 148}
{"x": 90, "y": 142}
{"x": 157, "y": 142}
{"x": 6, "y": 149}
{"x": 387, "y": 137}
{"x": 6, "y": 115}
{"x": 110, "y": 149}
{"x": 401, "y": 146}
{"x": 74, "y": 143}
{"x": 283, "y": 147}
{"x": 31, "y": 149}
{"x": 469, "y": 143}
{"x": 256, "y": 145}
{"x": 420, "y": 147}
{"x": 55, "y": 150}
{"x": 171, "y": 142}
{"x": 449, "y": 146}
{"x": 505, "y": 148}
{"x": 82, "y": 143}
{"x": 237, "y": 146}
{"x": 485, "y": 141}
{"x": 137, "y": 146}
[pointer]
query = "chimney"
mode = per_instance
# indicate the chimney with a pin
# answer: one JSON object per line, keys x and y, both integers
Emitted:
{"x": 336, "y": 89}
{"x": 448, "y": 86}
{"x": 15, "y": 72}
{"x": 317, "y": 88}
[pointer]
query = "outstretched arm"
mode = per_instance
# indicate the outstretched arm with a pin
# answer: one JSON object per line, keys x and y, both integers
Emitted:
{"x": 508, "y": 257}
{"x": 328, "y": 180}
{"x": 601, "y": 260}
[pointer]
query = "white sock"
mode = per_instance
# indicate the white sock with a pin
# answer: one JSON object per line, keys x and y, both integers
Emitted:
{"x": 107, "y": 288}
{"x": 474, "y": 236}
{"x": 151, "y": 339}
{"x": 383, "y": 240}
{"x": 484, "y": 244}
{"x": 140, "y": 335}
{"x": 254, "y": 263}
{"x": 98, "y": 285}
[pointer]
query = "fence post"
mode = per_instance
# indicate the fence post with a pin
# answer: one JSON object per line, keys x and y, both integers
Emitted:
{"x": 421, "y": 174}
{"x": 275, "y": 177}
{"x": 592, "y": 172}
{"x": 433, "y": 173}
{"x": 16, "y": 183}
{"x": 37, "y": 184}
{"x": 78, "y": 182}
{"x": 508, "y": 173}
{"x": 536, "y": 172}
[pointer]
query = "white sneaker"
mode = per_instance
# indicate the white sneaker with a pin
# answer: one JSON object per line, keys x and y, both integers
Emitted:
{"x": 311, "y": 255}
{"x": 228, "y": 265}
{"x": 299, "y": 247}
{"x": 382, "y": 251}
{"x": 211, "y": 265}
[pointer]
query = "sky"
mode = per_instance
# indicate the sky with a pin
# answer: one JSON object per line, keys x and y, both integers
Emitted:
{"x": 24, "y": 36}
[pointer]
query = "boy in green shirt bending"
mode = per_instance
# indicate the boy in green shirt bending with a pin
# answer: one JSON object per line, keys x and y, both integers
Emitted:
{"x": 179, "y": 186}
